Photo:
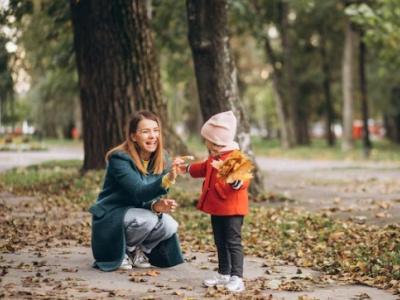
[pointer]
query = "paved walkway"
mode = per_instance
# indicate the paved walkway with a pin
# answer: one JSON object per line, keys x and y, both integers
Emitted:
{"x": 9, "y": 160}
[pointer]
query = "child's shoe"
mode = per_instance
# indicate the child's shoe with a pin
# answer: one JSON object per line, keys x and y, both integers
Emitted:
{"x": 235, "y": 284}
{"x": 218, "y": 279}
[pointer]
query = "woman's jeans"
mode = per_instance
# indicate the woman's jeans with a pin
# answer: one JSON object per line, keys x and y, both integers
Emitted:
{"x": 228, "y": 239}
{"x": 143, "y": 227}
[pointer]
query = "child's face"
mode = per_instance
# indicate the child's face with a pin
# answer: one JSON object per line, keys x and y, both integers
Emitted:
{"x": 213, "y": 148}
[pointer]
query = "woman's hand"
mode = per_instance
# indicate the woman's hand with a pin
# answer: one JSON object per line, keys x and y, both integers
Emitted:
{"x": 165, "y": 205}
{"x": 175, "y": 169}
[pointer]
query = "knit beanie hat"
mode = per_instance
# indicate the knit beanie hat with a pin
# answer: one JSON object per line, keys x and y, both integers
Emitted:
{"x": 220, "y": 129}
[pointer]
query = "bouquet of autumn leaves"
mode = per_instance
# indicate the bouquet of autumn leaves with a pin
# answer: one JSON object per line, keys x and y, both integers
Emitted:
{"x": 235, "y": 167}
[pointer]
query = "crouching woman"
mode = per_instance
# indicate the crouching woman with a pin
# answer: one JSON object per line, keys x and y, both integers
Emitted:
{"x": 130, "y": 217}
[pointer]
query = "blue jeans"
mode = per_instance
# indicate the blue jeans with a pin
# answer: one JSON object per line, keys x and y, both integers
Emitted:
{"x": 228, "y": 239}
{"x": 143, "y": 227}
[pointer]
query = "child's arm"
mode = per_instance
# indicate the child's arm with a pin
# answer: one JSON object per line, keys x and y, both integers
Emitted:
{"x": 197, "y": 169}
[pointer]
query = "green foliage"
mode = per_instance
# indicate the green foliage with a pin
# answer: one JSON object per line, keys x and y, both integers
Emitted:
{"x": 380, "y": 21}
{"x": 8, "y": 113}
{"x": 43, "y": 32}
{"x": 55, "y": 96}
{"x": 310, "y": 23}
{"x": 169, "y": 22}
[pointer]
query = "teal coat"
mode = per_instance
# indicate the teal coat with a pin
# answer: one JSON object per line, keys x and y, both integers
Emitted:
{"x": 124, "y": 187}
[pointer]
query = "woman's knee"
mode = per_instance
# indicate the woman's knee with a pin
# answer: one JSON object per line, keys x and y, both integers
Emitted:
{"x": 144, "y": 220}
{"x": 170, "y": 226}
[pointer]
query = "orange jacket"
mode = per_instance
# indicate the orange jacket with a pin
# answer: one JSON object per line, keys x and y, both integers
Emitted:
{"x": 219, "y": 198}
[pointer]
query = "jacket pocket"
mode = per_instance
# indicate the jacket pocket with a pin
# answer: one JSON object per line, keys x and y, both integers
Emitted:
{"x": 220, "y": 191}
{"x": 97, "y": 211}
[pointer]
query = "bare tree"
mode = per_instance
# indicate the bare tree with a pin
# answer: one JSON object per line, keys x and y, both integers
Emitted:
{"x": 363, "y": 94}
{"x": 290, "y": 84}
{"x": 347, "y": 82}
{"x": 326, "y": 83}
{"x": 216, "y": 70}
{"x": 118, "y": 73}
{"x": 279, "y": 99}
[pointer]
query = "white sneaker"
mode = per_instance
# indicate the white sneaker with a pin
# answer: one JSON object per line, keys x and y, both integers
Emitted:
{"x": 235, "y": 284}
{"x": 126, "y": 264}
{"x": 139, "y": 260}
{"x": 218, "y": 279}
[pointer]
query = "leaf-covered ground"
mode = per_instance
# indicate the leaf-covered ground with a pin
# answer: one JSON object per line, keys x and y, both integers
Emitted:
{"x": 344, "y": 251}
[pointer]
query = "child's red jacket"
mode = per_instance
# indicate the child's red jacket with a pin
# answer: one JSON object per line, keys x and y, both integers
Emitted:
{"x": 218, "y": 197}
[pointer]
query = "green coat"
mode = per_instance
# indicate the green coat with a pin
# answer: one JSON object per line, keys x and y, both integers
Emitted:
{"x": 124, "y": 187}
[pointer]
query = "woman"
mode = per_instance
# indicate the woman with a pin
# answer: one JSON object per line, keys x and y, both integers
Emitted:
{"x": 129, "y": 215}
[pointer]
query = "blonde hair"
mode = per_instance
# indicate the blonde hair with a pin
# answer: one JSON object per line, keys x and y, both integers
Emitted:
{"x": 133, "y": 150}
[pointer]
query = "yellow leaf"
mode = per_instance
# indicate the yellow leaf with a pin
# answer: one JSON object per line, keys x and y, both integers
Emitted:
{"x": 307, "y": 264}
{"x": 153, "y": 273}
{"x": 235, "y": 167}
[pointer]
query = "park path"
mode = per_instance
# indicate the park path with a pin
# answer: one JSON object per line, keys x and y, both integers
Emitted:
{"x": 364, "y": 192}
{"x": 67, "y": 269}
{"x": 9, "y": 160}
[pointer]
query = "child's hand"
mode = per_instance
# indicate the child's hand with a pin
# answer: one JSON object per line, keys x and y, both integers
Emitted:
{"x": 237, "y": 184}
{"x": 182, "y": 169}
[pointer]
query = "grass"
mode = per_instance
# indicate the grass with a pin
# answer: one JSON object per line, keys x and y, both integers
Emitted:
{"x": 382, "y": 151}
{"x": 54, "y": 178}
{"x": 63, "y": 142}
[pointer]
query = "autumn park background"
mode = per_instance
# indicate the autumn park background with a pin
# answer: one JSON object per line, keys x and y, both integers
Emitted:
{"x": 308, "y": 80}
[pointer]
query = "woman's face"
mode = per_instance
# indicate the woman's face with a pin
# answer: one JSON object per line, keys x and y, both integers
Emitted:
{"x": 146, "y": 136}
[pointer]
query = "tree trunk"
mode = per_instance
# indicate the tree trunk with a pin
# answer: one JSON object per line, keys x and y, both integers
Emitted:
{"x": 326, "y": 83}
{"x": 215, "y": 70}
{"x": 392, "y": 118}
{"x": 347, "y": 82}
{"x": 118, "y": 73}
{"x": 289, "y": 76}
{"x": 280, "y": 110}
{"x": 363, "y": 93}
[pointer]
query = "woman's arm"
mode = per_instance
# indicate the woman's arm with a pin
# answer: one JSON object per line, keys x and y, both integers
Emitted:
{"x": 128, "y": 176}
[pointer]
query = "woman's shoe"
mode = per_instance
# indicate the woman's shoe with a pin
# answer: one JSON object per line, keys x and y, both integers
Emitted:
{"x": 139, "y": 259}
{"x": 126, "y": 264}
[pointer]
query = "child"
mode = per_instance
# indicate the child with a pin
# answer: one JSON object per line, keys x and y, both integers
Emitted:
{"x": 227, "y": 203}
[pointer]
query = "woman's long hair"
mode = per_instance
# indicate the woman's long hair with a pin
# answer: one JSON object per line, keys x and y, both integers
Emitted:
{"x": 132, "y": 148}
